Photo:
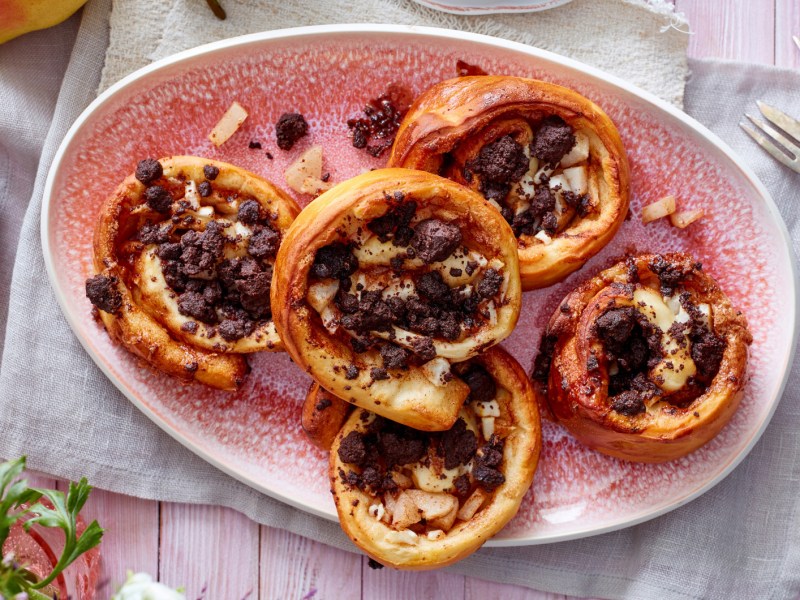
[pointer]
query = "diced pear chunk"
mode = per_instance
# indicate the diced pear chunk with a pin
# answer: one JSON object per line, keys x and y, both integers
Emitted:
{"x": 321, "y": 293}
{"x": 471, "y": 505}
{"x": 405, "y": 512}
{"x": 578, "y": 178}
{"x": 579, "y": 152}
{"x": 432, "y": 505}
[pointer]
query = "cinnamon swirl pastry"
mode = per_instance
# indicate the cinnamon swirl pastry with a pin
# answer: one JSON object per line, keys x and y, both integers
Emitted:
{"x": 323, "y": 416}
{"x": 646, "y": 361}
{"x": 386, "y": 280}
{"x": 419, "y": 500}
{"x": 183, "y": 256}
{"x": 550, "y": 160}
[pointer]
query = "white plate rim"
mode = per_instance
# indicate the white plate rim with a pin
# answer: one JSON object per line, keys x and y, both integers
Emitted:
{"x": 437, "y": 34}
{"x": 492, "y": 8}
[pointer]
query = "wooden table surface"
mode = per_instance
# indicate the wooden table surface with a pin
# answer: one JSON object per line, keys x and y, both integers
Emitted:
{"x": 220, "y": 554}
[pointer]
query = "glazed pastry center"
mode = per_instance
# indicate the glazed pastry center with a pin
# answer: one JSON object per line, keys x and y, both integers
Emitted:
{"x": 658, "y": 348}
{"x": 423, "y": 484}
{"x": 538, "y": 180}
{"x": 407, "y": 286}
{"x": 202, "y": 262}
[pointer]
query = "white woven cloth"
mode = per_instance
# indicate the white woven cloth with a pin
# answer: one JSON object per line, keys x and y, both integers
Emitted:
{"x": 740, "y": 540}
{"x": 643, "y": 41}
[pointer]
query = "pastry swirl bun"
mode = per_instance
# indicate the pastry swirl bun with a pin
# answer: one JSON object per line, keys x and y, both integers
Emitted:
{"x": 183, "y": 255}
{"x": 385, "y": 281}
{"x": 646, "y": 361}
{"x": 417, "y": 500}
{"x": 548, "y": 158}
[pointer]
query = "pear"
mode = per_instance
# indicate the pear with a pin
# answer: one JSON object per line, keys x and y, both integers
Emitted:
{"x": 21, "y": 16}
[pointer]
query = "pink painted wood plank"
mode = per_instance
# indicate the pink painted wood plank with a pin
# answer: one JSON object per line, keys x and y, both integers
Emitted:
{"x": 130, "y": 541}
{"x": 210, "y": 550}
{"x": 734, "y": 29}
{"x": 39, "y": 480}
{"x": 787, "y": 24}
{"x": 389, "y": 584}
{"x": 296, "y": 567}
{"x": 477, "y": 589}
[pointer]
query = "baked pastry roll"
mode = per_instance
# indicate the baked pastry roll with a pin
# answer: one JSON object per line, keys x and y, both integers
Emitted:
{"x": 386, "y": 280}
{"x": 550, "y": 160}
{"x": 420, "y": 500}
{"x": 323, "y": 416}
{"x": 646, "y": 361}
{"x": 183, "y": 258}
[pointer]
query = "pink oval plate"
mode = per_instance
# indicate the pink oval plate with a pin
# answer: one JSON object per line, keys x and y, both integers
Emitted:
{"x": 328, "y": 73}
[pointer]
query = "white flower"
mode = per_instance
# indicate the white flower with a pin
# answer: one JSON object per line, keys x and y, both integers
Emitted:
{"x": 142, "y": 587}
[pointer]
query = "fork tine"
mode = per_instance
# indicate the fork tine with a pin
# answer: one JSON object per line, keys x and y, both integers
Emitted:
{"x": 796, "y": 40}
{"x": 777, "y": 137}
{"x": 768, "y": 145}
{"x": 781, "y": 119}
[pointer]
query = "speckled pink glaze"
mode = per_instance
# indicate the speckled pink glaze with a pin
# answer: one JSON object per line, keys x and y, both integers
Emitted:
{"x": 328, "y": 78}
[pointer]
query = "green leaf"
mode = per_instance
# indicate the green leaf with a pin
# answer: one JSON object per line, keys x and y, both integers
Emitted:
{"x": 64, "y": 515}
{"x": 12, "y": 495}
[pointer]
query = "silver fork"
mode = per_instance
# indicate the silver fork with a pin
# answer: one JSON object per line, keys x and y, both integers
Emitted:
{"x": 778, "y": 145}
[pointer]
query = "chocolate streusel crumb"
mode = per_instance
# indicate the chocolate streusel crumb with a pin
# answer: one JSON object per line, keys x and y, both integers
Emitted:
{"x": 249, "y": 212}
{"x": 499, "y": 164}
{"x": 490, "y": 283}
{"x": 351, "y": 373}
{"x": 374, "y": 564}
{"x": 435, "y": 240}
{"x": 264, "y": 243}
{"x": 234, "y": 329}
{"x": 554, "y": 138}
{"x": 669, "y": 275}
{"x": 210, "y": 172}
{"x": 458, "y": 444}
{"x": 482, "y": 387}
{"x": 204, "y": 189}
{"x": 378, "y": 373}
{"x": 424, "y": 349}
{"x": 189, "y": 327}
{"x": 488, "y": 478}
{"x": 103, "y": 293}
{"x": 191, "y": 367}
{"x": 323, "y": 404}
{"x": 290, "y": 128}
{"x": 334, "y": 261}
{"x": 394, "y": 357}
{"x": 254, "y": 145}
{"x": 148, "y": 170}
{"x": 628, "y": 403}
{"x": 352, "y": 449}
{"x": 158, "y": 198}
{"x": 381, "y": 120}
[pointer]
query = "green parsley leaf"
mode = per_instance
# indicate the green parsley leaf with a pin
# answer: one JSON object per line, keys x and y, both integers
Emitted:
{"x": 64, "y": 515}
{"x": 12, "y": 495}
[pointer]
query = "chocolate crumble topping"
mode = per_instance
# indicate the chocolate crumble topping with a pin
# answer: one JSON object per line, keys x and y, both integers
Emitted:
{"x": 500, "y": 164}
{"x": 375, "y": 131}
{"x": 554, "y": 139}
{"x": 148, "y": 170}
{"x": 482, "y": 387}
{"x": 290, "y": 128}
{"x": 249, "y": 212}
{"x": 103, "y": 293}
{"x": 210, "y": 172}
{"x": 458, "y": 445}
{"x": 334, "y": 261}
{"x": 158, "y": 198}
{"x": 435, "y": 240}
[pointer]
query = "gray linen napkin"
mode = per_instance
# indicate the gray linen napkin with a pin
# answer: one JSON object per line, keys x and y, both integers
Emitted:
{"x": 740, "y": 540}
